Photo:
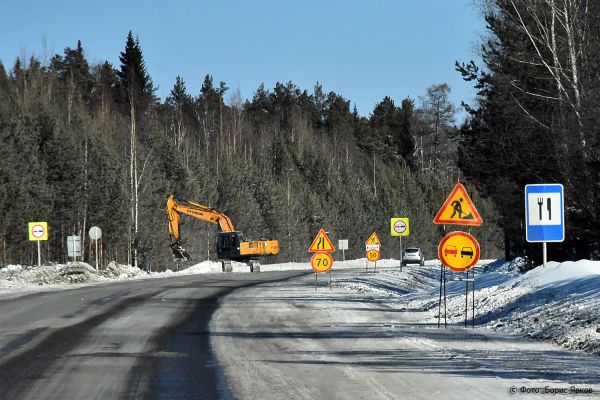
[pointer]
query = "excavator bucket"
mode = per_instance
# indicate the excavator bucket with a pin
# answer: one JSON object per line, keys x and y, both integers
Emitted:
{"x": 179, "y": 252}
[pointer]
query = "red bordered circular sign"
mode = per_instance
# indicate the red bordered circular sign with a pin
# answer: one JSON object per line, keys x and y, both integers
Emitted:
{"x": 459, "y": 251}
{"x": 321, "y": 262}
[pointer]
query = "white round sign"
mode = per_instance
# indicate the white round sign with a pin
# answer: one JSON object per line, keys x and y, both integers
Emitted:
{"x": 95, "y": 233}
{"x": 38, "y": 231}
{"x": 400, "y": 226}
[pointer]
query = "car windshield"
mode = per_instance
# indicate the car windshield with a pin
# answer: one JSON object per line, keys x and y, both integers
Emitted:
{"x": 411, "y": 250}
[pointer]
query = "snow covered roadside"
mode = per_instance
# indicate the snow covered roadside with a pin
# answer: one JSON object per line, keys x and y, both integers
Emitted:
{"x": 559, "y": 303}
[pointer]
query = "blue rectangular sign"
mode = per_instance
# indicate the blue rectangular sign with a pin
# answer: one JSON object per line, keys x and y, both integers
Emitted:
{"x": 544, "y": 213}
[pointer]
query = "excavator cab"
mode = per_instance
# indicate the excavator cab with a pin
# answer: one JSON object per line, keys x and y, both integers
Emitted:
{"x": 228, "y": 245}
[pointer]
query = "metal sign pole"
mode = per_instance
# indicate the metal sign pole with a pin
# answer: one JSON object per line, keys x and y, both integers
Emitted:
{"x": 473, "y": 299}
{"x": 329, "y": 280}
{"x": 445, "y": 302}
{"x": 440, "y": 300}
{"x": 545, "y": 253}
{"x": 467, "y": 299}
{"x": 316, "y": 281}
{"x": 400, "y": 253}
{"x": 39, "y": 255}
{"x": 96, "y": 254}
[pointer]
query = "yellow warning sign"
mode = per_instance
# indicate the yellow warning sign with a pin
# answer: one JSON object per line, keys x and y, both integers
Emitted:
{"x": 373, "y": 239}
{"x": 321, "y": 243}
{"x": 458, "y": 209}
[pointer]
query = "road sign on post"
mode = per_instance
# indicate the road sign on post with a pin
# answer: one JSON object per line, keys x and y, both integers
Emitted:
{"x": 321, "y": 243}
{"x": 343, "y": 245}
{"x": 400, "y": 227}
{"x": 38, "y": 231}
{"x": 459, "y": 251}
{"x": 544, "y": 214}
{"x": 321, "y": 261}
{"x": 458, "y": 209}
{"x": 95, "y": 234}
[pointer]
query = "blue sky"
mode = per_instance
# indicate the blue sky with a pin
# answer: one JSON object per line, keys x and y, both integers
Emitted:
{"x": 362, "y": 50}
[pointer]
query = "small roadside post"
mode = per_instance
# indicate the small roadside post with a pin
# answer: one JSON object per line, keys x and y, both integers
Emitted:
{"x": 95, "y": 234}
{"x": 321, "y": 261}
{"x": 343, "y": 245}
{"x": 38, "y": 231}
{"x": 399, "y": 227}
{"x": 544, "y": 214}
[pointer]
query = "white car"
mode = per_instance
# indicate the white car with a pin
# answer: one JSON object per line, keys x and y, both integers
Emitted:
{"x": 413, "y": 255}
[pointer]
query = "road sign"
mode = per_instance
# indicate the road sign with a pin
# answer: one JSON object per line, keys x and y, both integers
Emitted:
{"x": 321, "y": 262}
{"x": 321, "y": 243}
{"x": 38, "y": 231}
{"x": 74, "y": 246}
{"x": 459, "y": 251}
{"x": 458, "y": 209}
{"x": 373, "y": 239}
{"x": 95, "y": 233}
{"x": 373, "y": 255}
{"x": 343, "y": 244}
{"x": 399, "y": 227}
{"x": 544, "y": 213}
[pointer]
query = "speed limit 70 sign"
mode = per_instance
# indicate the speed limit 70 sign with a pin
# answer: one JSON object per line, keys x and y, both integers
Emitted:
{"x": 321, "y": 262}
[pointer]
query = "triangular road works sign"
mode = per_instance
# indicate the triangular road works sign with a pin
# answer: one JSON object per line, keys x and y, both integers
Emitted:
{"x": 373, "y": 239}
{"x": 458, "y": 209}
{"x": 321, "y": 243}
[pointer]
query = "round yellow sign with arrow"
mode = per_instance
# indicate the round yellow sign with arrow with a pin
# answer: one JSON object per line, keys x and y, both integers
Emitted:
{"x": 459, "y": 251}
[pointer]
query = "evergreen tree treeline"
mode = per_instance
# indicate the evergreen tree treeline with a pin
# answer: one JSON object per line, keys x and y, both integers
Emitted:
{"x": 86, "y": 145}
{"x": 537, "y": 117}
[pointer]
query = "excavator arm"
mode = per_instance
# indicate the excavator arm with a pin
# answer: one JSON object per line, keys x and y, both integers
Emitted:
{"x": 176, "y": 207}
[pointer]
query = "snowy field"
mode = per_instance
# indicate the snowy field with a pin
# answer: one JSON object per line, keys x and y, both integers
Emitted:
{"x": 559, "y": 303}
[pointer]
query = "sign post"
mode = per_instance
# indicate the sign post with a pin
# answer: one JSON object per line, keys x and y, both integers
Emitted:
{"x": 373, "y": 246}
{"x": 343, "y": 245}
{"x": 458, "y": 209}
{"x": 544, "y": 214}
{"x": 400, "y": 227}
{"x": 321, "y": 261}
{"x": 38, "y": 231}
{"x": 95, "y": 234}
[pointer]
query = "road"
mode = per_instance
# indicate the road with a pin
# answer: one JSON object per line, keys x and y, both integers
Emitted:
{"x": 260, "y": 336}
{"x": 134, "y": 339}
{"x": 287, "y": 340}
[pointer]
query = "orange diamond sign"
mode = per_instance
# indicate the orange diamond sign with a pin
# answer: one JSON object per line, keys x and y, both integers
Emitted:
{"x": 321, "y": 243}
{"x": 458, "y": 209}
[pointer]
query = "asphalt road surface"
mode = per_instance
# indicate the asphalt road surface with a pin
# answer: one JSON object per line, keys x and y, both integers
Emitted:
{"x": 144, "y": 339}
{"x": 262, "y": 336}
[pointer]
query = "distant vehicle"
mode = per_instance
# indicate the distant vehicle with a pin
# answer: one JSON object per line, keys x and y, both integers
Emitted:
{"x": 413, "y": 255}
{"x": 466, "y": 251}
{"x": 450, "y": 250}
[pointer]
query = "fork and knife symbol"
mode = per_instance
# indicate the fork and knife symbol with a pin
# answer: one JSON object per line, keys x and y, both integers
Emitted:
{"x": 540, "y": 203}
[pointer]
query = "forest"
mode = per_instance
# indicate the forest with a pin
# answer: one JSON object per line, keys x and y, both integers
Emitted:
{"x": 92, "y": 145}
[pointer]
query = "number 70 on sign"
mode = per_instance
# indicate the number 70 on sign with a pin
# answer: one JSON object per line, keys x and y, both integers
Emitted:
{"x": 321, "y": 262}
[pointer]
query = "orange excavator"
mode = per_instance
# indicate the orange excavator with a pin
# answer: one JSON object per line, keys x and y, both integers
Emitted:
{"x": 231, "y": 244}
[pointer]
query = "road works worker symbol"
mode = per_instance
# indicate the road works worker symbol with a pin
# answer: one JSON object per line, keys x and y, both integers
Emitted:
{"x": 373, "y": 255}
{"x": 459, "y": 251}
{"x": 458, "y": 209}
{"x": 321, "y": 262}
{"x": 38, "y": 231}
{"x": 321, "y": 243}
